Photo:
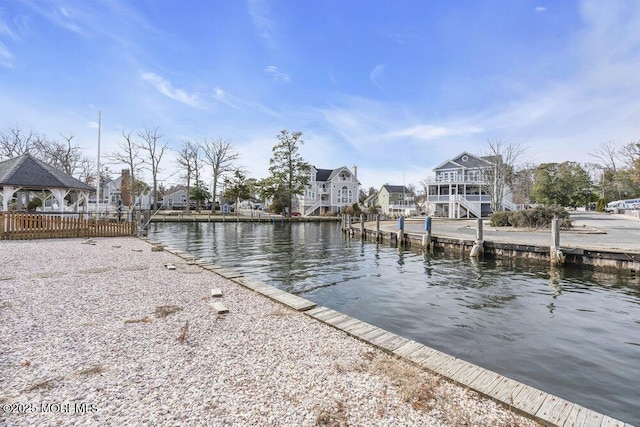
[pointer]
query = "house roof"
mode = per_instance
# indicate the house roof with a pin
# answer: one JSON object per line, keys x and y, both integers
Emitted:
{"x": 465, "y": 160}
{"x": 323, "y": 174}
{"x": 396, "y": 188}
{"x": 30, "y": 173}
{"x": 328, "y": 174}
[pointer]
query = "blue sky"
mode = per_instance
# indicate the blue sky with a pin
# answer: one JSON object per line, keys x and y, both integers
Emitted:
{"x": 395, "y": 87}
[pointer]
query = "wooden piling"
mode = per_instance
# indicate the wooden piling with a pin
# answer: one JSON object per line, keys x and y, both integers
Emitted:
{"x": 478, "y": 247}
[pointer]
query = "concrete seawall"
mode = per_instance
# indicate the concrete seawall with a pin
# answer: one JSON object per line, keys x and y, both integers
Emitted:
{"x": 597, "y": 258}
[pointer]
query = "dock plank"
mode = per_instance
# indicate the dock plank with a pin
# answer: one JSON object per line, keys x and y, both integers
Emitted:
{"x": 467, "y": 374}
{"x": 373, "y": 334}
{"x": 421, "y": 354}
{"x": 295, "y": 302}
{"x": 506, "y": 390}
{"x": 317, "y": 310}
{"x": 485, "y": 381}
{"x": 346, "y": 323}
{"x": 363, "y": 330}
{"x": 408, "y": 348}
{"x": 393, "y": 343}
{"x": 452, "y": 367}
{"x": 227, "y": 273}
{"x": 553, "y": 407}
{"x": 529, "y": 400}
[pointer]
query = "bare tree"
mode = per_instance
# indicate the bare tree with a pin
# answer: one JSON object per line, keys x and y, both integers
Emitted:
{"x": 15, "y": 142}
{"x": 630, "y": 155}
{"x": 154, "y": 151}
{"x": 220, "y": 155}
{"x": 504, "y": 156}
{"x": 63, "y": 156}
{"x": 87, "y": 172}
{"x": 187, "y": 159}
{"x": 607, "y": 153}
{"x": 129, "y": 155}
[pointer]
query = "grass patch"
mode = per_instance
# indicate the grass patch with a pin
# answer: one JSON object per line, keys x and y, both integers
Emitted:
{"x": 166, "y": 310}
{"x": 144, "y": 319}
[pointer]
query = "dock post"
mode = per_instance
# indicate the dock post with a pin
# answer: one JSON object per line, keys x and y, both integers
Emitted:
{"x": 401, "y": 230}
{"x": 426, "y": 238}
{"x": 555, "y": 254}
{"x": 478, "y": 247}
{"x": 362, "y": 232}
{"x": 378, "y": 239}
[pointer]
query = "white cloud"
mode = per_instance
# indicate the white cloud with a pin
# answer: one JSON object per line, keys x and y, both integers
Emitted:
{"x": 261, "y": 16}
{"x": 166, "y": 88}
{"x": 6, "y": 57}
{"x": 276, "y": 74}
{"x": 541, "y": 9}
{"x": 376, "y": 75}
{"x": 431, "y": 132}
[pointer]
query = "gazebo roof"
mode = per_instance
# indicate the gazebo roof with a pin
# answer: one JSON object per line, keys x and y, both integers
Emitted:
{"x": 33, "y": 174}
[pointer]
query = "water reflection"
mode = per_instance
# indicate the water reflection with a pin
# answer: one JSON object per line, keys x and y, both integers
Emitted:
{"x": 571, "y": 332}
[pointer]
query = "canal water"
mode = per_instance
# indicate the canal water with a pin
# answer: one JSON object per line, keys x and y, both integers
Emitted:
{"x": 573, "y": 333}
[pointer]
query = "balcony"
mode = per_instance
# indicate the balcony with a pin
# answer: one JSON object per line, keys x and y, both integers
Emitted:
{"x": 457, "y": 179}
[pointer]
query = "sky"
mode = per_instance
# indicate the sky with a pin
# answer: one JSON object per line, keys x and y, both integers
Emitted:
{"x": 394, "y": 87}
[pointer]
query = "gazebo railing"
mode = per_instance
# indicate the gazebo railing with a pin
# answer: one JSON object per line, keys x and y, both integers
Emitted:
{"x": 23, "y": 226}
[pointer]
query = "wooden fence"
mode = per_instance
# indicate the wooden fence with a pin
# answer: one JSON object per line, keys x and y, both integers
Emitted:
{"x": 23, "y": 226}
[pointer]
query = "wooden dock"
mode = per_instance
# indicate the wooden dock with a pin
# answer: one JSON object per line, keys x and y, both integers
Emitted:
{"x": 528, "y": 401}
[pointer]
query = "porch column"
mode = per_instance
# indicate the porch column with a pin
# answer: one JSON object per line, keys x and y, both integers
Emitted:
{"x": 59, "y": 194}
{"x": 7, "y": 193}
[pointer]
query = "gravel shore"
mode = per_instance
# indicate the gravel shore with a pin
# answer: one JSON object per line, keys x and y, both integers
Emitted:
{"x": 105, "y": 334}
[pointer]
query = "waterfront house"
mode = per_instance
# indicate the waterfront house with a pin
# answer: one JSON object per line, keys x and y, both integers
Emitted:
{"x": 175, "y": 200}
{"x": 329, "y": 191}
{"x": 119, "y": 189}
{"x": 461, "y": 188}
{"x": 396, "y": 200}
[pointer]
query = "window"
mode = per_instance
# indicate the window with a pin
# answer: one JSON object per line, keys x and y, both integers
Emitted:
{"x": 345, "y": 195}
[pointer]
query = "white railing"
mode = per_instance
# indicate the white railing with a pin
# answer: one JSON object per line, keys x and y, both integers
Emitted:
{"x": 507, "y": 205}
{"x": 456, "y": 180}
{"x": 315, "y": 206}
{"x": 472, "y": 207}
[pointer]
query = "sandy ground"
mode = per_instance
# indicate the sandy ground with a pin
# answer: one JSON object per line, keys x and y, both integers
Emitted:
{"x": 105, "y": 334}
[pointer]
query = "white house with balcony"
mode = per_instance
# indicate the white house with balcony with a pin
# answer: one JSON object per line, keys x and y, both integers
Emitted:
{"x": 458, "y": 189}
{"x": 329, "y": 191}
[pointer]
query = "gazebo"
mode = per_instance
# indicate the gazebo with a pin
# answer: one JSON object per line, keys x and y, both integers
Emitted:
{"x": 28, "y": 174}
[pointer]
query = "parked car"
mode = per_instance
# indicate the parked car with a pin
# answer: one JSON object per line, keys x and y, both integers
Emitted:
{"x": 295, "y": 213}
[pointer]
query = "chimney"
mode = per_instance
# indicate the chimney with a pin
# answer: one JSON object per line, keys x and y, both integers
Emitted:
{"x": 354, "y": 170}
{"x": 125, "y": 187}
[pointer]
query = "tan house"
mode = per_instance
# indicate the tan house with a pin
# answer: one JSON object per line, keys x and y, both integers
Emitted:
{"x": 396, "y": 200}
